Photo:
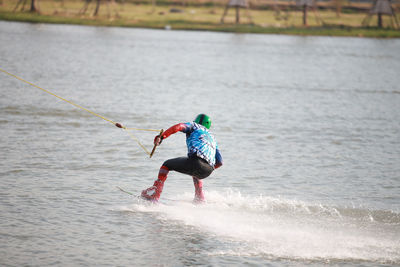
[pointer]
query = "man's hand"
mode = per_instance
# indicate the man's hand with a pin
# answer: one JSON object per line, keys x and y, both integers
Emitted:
{"x": 157, "y": 140}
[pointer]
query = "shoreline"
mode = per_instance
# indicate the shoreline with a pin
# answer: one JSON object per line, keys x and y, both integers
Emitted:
{"x": 169, "y": 22}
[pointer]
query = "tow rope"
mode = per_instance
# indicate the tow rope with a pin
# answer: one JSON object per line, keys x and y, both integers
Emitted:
{"x": 127, "y": 129}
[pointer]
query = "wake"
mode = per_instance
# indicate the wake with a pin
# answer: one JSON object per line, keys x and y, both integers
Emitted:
{"x": 289, "y": 229}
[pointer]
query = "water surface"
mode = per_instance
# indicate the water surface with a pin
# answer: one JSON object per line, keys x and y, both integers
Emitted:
{"x": 308, "y": 128}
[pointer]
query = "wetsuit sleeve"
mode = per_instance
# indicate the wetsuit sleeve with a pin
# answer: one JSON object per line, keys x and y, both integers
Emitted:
{"x": 180, "y": 127}
{"x": 218, "y": 159}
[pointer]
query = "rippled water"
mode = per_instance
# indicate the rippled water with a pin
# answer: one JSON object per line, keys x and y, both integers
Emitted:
{"x": 308, "y": 127}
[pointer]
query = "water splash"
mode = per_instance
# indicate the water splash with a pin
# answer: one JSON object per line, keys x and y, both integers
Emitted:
{"x": 289, "y": 229}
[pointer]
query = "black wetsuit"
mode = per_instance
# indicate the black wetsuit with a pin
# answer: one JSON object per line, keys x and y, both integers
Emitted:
{"x": 191, "y": 165}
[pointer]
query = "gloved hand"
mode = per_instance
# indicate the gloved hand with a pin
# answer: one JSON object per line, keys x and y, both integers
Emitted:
{"x": 158, "y": 140}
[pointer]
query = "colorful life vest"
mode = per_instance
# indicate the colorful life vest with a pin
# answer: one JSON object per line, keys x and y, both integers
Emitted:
{"x": 200, "y": 142}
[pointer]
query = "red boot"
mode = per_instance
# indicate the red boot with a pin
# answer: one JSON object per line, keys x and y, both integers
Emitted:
{"x": 153, "y": 193}
{"x": 199, "y": 195}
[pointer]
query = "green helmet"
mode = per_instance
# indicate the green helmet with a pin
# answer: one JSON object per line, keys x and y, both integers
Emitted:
{"x": 204, "y": 120}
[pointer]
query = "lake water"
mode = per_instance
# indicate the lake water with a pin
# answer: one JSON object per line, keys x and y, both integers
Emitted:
{"x": 308, "y": 127}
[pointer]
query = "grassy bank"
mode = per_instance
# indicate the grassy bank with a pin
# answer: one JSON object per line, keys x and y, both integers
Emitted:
{"x": 197, "y": 17}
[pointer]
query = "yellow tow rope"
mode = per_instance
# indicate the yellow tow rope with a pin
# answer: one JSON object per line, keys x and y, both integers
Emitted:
{"x": 91, "y": 112}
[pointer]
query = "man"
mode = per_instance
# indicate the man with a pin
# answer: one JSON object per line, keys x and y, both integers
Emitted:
{"x": 202, "y": 158}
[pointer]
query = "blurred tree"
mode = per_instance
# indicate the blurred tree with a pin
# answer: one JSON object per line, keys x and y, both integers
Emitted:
{"x": 34, "y": 6}
{"x": 86, "y": 6}
{"x": 96, "y": 10}
{"x": 23, "y": 2}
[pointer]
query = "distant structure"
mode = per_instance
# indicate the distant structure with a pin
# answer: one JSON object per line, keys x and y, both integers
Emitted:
{"x": 305, "y": 5}
{"x": 379, "y": 8}
{"x": 237, "y": 4}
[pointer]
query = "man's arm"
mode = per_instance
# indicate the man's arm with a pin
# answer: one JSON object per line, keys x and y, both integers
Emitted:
{"x": 180, "y": 127}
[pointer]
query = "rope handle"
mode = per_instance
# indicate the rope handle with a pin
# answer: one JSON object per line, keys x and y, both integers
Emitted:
{"x": 154, "y": 147}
